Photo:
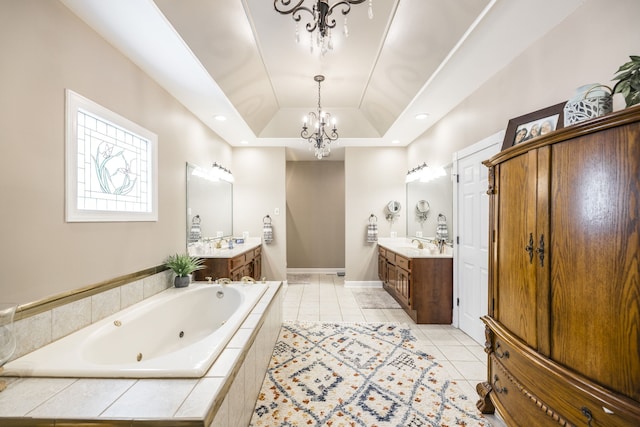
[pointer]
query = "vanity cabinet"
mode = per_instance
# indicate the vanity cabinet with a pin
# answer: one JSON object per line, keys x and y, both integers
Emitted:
{"x": 422, "y": 286}
{"x": 563, "y": 323}
{"x": 248, "y": 263}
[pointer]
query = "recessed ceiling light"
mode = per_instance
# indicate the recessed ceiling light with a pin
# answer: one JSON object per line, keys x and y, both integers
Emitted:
{"x": 395, "y": 141}
{"x": 422, "y": 116}
{"x": 220, "y": 118}
{"x": 244, "y": 142}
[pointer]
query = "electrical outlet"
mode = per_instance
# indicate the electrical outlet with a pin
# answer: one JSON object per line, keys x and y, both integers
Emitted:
{"x": 276, "y": 211}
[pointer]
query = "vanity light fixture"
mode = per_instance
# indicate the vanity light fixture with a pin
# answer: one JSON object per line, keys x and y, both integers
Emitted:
{"x": 320, "y": 139}
{"x": 222, "y": 173}
{"x": 424, "y": 173}
{"x": 318, "y": 18}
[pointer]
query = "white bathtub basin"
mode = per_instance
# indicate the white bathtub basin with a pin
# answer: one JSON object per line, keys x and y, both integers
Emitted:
{"x": 177, "y": 333}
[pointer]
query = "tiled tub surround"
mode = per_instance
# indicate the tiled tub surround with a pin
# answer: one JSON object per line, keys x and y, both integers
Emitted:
{"x": 224, "y": 396}
{"x": 48, "y": 321}
{"x": 191, "y": 327}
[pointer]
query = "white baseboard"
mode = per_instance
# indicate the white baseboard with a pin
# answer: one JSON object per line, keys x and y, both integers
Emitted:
{"x": 362, "y": 284}
{"x": 315, "y": 270}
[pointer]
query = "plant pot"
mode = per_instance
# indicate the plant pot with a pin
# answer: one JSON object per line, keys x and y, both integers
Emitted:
{"x": 181, "y": 281}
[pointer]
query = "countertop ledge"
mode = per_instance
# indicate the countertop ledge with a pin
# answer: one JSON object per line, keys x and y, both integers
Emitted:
{"x": 404, "y": 247}
{"x": 224, "y": 252}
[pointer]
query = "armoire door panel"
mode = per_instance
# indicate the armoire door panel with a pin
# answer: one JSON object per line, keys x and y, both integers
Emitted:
{"x": 595, "y": 256}
{"x": 515, "y": 307}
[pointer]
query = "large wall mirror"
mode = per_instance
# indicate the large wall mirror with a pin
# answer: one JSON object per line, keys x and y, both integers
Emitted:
{"x": 426, "y": 201}
{"x": 209, "y": 203}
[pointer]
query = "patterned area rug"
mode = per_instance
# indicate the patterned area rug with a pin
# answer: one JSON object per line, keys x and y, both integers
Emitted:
{"x": 367, "y": 375}
{"x": 374, "y": 298}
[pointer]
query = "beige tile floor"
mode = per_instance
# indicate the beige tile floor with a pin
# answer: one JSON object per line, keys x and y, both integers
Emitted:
{"x": 325, "y": 298}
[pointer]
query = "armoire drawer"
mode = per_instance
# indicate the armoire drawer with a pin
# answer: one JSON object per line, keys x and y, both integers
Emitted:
{"x": 572, "y": 397}
{"x": 515, "y": 403}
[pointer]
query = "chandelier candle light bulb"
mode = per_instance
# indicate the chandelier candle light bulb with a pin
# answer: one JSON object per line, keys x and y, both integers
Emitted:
{"x": 319, "y": 17}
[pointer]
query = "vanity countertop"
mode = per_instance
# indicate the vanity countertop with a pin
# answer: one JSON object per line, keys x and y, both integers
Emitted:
{"x": 404, "y": 247}
{"x": 206, "y": 250}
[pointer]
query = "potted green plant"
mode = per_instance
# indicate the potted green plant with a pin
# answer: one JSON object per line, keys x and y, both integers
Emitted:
{"x": 183, "y": 265}
{"x": 629, "y": 81}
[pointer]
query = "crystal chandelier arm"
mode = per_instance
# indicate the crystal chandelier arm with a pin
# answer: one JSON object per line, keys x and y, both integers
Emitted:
{"x": 346, "y": 7}
{"x": 320, "y": 12}
{"x": 330, "y": 22}
{"x": 281, "y": 6}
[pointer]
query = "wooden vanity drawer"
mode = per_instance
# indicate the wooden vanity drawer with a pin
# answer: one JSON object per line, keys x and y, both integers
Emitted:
{"x": 237, "y": 261}
{"x": 402, "y": 262}
{"x": 382, "y": 251}
{"x": 257, "y": 251}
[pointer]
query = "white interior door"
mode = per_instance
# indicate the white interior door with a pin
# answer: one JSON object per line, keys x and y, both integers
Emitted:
{"x": 472, "y": 235}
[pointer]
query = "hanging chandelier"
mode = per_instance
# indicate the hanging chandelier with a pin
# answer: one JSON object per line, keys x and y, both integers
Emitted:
{"x": 318, "y": 18}
{"x": 319, "y": 138}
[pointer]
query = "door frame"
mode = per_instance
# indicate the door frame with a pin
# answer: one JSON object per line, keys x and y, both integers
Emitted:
{"x": 488, "y": 142}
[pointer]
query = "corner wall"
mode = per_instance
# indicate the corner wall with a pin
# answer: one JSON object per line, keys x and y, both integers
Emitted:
{"x": 373, "y": 177}
{"x": 259, "y": 189}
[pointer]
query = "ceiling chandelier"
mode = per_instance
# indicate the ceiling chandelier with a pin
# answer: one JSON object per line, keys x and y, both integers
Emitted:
{"x": 319, "y": 18}
{"x": 319, "y": 138}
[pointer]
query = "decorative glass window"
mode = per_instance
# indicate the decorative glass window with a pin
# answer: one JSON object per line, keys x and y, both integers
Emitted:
{"x": 111, "y": 165}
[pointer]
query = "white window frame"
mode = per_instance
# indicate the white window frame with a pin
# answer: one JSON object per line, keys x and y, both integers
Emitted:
{"x": 74, "y": 213}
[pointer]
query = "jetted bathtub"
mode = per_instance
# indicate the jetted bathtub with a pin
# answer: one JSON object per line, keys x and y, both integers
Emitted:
{"x": 176, "y": 333}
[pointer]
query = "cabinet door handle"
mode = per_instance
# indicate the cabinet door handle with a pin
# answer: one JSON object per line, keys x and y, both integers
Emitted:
{"x": 588, "y": 415}
{"x": 503, "y": 354}
{"x": 540, "y": 250}
{"x": 495, "y": 385}
{"x": 529, "y": 248}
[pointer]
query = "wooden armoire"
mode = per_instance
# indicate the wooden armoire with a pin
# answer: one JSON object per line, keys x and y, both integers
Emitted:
{"x": 563, "y": 323}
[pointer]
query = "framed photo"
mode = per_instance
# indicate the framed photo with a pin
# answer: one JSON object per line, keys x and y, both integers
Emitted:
{"x": 534, "y": 124}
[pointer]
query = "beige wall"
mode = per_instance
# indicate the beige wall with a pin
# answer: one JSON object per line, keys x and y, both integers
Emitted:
{"x": 45, "y": 49}
{"x": 258, "y": 190}
{"x": 373, "y": 177}
{"x": 315, "y": 214}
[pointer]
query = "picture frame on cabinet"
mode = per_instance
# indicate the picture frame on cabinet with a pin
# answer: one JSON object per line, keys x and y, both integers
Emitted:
{"x": 531, "y": 125}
